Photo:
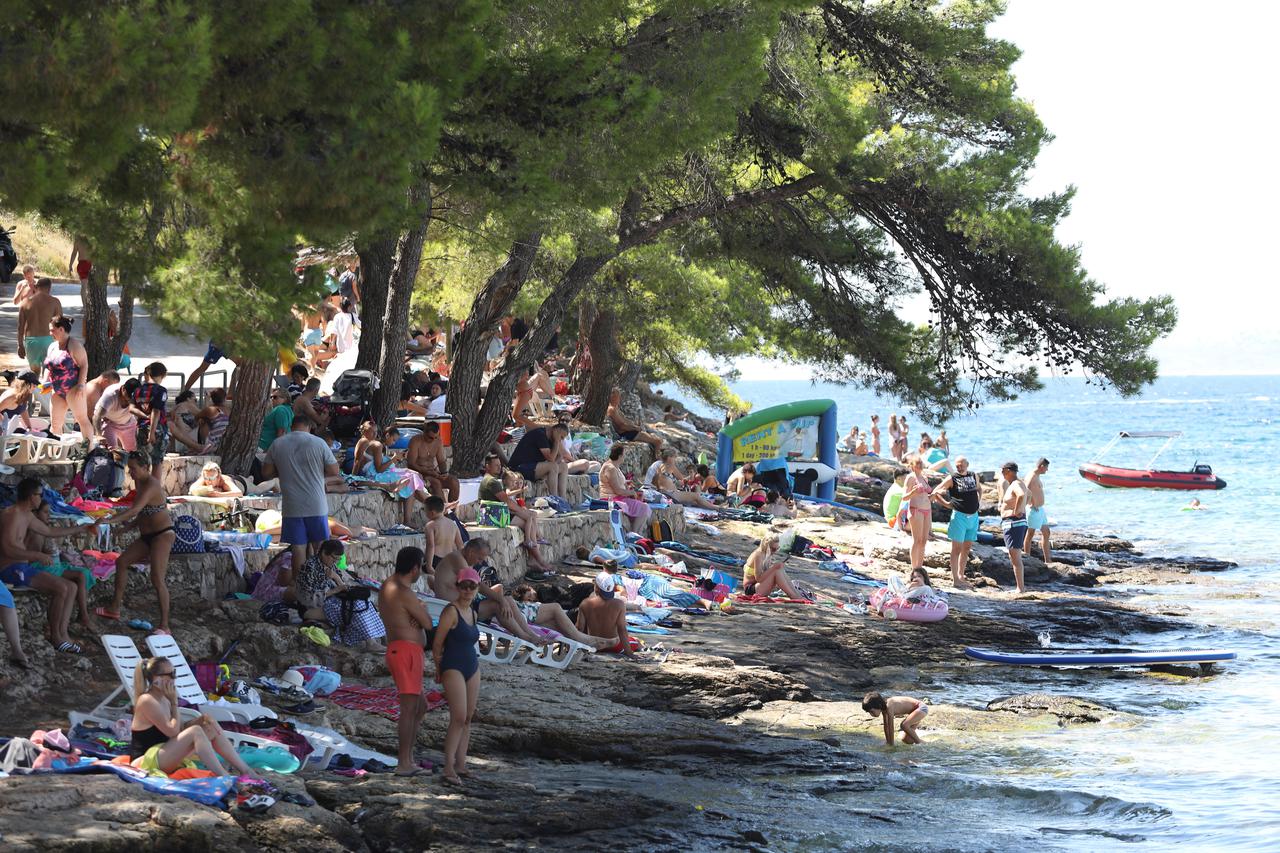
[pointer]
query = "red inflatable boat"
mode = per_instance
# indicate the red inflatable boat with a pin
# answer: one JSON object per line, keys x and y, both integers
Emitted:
{"x": 1200, "y": 477}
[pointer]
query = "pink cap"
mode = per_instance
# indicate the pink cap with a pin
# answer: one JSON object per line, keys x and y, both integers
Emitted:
{"x": 469, "y": 574}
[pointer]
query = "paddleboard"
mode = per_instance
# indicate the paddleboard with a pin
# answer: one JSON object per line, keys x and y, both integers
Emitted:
{"x": 850, "y": 508}
{"x": 1201, "y": 656}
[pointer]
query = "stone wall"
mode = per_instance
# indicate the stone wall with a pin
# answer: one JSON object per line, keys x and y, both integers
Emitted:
{"x": 54, "y": 474}
{"x": 578, "y": 488}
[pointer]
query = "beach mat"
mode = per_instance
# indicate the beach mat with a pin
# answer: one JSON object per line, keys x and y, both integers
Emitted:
{"x": 383, "y": 701}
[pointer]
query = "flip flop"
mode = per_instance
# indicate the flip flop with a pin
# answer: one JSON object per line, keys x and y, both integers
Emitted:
{"x": 161, "y": 632}
{"x": 139, "y": 624}
{"x": 417, "y": 771}
{"x": 106, "y": 614}
{"x": 69, "y": 648}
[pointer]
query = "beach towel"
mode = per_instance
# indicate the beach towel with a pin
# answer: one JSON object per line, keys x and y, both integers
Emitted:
{"x": 761, "y": 599}
{"x": 383, "y": 701}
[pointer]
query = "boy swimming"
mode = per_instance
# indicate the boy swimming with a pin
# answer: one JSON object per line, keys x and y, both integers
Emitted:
{"x": 911, "y": 710}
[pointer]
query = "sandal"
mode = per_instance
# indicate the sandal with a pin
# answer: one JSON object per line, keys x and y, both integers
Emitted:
{"x": 106, "y": 614}
{"x": 69, "y": 648}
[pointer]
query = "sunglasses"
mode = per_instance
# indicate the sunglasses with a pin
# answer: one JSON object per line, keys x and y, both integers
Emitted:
{"x": 168, "y": 674}
{"x": 468, "y": 585}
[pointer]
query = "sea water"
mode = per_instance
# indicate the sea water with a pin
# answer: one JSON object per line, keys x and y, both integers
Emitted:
{"x": 1194, "y": 762}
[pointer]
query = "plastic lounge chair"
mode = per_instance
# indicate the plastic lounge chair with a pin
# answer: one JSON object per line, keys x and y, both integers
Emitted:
{"x": 189, "y": 691}
{"x": 560, "y": 654}
{"x": 125, "y": 660}
{"x": 495, "y": 646}
{"x": 620, "y": 538}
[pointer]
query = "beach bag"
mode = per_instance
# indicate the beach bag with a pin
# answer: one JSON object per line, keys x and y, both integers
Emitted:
{"x": 188, "y": 535}
{"x": 494, "y": 514}
{"x": 661, "y": 531}
{"x": 103, "y": 472}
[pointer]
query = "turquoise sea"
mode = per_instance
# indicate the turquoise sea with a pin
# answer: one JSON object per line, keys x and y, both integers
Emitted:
{"x": 1200, "y": 769}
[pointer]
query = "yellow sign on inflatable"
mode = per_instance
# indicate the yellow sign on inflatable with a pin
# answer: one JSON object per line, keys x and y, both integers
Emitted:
{"x": 756, "y": 445}
{"x": 787, "y": 439}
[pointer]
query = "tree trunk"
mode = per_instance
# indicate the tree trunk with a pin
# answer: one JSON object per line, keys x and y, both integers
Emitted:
{"x": 94, "y": 316}
{"x": 125, "y": 329}
{"x": 605, "y": 366}
{"x": 474, "y": 428}
{"x": 248, "y": 393}
{"x": 492, "y": 416}
{"x": 399, "y": 293}
{"x": 377, "y": 259}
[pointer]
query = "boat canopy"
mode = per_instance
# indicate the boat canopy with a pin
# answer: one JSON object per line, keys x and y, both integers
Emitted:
{"x": 1129, "y": 434}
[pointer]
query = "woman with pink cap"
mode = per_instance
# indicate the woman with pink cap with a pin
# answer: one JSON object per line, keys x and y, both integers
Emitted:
{"x": 458, "y": 671}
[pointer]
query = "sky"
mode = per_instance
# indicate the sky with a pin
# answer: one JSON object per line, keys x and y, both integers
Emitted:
{"x": 1165, "y": 118}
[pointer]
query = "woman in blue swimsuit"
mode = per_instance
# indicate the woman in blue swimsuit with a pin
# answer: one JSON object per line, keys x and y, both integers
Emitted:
{"x": 458, "y": 671}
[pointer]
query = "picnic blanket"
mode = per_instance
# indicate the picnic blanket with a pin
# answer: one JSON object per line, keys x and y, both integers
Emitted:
{"x": 383, "y": 701}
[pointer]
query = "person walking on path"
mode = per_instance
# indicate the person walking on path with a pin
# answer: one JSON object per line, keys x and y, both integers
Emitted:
{"x": 1013, "y": 517}
{"x": 1037, "y": 518}
{"x": 458, "y": 672}
{"x": 34, "y": 317}
{"x": 302, "y": 461}
{"x": 79, "y": 263}
{"x": 406, "y": 620}
{"x": 959, "y": 492}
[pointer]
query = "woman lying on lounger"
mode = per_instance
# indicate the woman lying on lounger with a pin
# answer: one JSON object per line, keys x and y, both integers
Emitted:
{"x": 159, "y": 741}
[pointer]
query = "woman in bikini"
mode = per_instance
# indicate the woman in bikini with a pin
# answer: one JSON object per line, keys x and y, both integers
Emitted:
{"x": 15, "y": 402}
{"x": 154, "y": 542}
{"x": 66, "y": 368}
{"x": 919, "y": 505}
{"x": 159, "y": 741}
{"x": 762, "y": 574}
{"x": 373, "y": 462}
{"x": 458, "y": 672}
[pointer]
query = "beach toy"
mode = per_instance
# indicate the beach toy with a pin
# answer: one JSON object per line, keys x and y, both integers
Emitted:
{"x": 893, "y": 500}
{"x": 272, "y": 758}
{"x": 1200, "y": 656}
{"x": 893, "y": 606}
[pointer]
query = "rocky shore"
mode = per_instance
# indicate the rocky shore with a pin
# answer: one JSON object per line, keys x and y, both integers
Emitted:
{"x": 681, "y": 749}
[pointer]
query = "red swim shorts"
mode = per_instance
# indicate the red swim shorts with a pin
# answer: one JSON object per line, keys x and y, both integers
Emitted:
{"x": 404, "y": 659}
{"x": 82, "y": 269}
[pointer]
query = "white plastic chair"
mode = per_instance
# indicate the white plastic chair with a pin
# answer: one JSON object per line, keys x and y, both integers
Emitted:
{"x": 125, "y": 659}
{"x": 189, "y": 691}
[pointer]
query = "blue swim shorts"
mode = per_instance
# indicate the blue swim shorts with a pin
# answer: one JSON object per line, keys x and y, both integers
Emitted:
{"x": 20, "y": 574}
{"x": 1037, "y": 517}
{"x": 213, "y": 355}
{"x": 303, "y": 530}
{"x": 963, "y": 527}
{"x": 1015, "y": 532}
{"x": 6, "y": 597}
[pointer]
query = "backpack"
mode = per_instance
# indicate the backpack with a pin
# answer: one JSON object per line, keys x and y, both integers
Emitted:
{"x": 189, "y": 535}
{"x": 103, "y": 471}
{"x": 660, "y": 531}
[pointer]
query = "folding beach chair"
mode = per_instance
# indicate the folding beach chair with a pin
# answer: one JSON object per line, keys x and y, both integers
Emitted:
{"x": 126, "y": 660}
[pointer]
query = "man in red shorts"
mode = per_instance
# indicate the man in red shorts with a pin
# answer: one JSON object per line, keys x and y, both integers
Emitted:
{"x": 79, "y": 262}
{"x": 406, "y": 620}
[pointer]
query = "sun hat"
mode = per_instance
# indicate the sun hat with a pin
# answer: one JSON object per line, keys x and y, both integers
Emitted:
{"x": 293, "y": 677}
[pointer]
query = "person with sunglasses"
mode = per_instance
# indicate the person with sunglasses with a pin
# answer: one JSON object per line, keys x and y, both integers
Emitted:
{"x": 159, "y": 741}
{"x": 458, "y": 671}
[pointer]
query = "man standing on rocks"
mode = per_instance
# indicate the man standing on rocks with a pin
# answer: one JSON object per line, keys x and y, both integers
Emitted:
{"x": 1037, "y": 518}
{"x": 1013, "y": 517}
{"x": 959, "y": 492}
{"x": 302, "y": 461}
{"x": 34, "y": 317}
{"x": 406, "y": 620}
{"x": 601, "y": 614}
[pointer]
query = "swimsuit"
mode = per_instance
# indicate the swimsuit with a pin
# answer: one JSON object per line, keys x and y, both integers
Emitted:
{"x": 1037, "y": 518}
{"x": 460, "y": 648}
{"x": 20, "y": 574}
{"x": 404, "y": 659}
{"x": 64, "y": 373}
{"x": 1015, "y": 531}
{"x": 629, "y": 435}
{"x": 144, "y": 739}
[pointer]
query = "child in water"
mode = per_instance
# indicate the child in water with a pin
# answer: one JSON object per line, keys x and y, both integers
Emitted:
{"x": 911, "y": 710}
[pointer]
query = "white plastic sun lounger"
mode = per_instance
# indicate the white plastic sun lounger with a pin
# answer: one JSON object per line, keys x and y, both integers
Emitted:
{"x": 125, "y": 659}
{"x": 184, "y": 681}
